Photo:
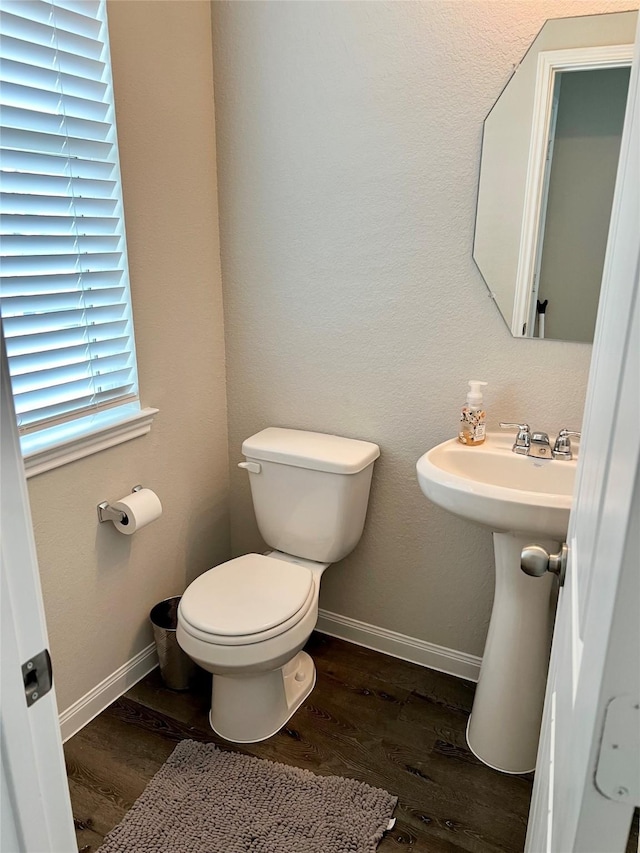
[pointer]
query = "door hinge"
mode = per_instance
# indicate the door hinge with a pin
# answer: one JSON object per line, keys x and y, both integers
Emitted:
{"x": 37, "y": 676}
{"x": 618, "y": 769}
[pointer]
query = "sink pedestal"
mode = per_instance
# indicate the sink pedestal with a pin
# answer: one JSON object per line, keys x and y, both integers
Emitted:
{"x": 502, "y": 490}
{"x": 504, "y": 726}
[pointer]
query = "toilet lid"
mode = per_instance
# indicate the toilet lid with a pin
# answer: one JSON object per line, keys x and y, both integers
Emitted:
{"x": 246, "y": 596}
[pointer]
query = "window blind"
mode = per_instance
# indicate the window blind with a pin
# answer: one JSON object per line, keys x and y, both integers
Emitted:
{"x": 66, "y": 305}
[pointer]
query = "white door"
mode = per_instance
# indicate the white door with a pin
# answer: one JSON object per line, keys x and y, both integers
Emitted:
{"x": 36, "y": 810}
{"x": 588, "y": 767}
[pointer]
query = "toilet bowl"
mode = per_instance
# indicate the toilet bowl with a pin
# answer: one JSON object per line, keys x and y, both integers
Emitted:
{"x": 247, "y": 620}
{"x": 261, "y": 676}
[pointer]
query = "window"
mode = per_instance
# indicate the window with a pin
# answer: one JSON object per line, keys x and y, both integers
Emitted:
{"x": 66, "y": 306}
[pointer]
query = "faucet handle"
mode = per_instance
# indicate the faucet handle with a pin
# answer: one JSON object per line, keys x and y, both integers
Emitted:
{"x": 523, "y": 438}
{"x": 562, "y": 446}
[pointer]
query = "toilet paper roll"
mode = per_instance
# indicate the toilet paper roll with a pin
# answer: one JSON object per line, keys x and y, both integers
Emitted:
{"x": 140, "y": 509}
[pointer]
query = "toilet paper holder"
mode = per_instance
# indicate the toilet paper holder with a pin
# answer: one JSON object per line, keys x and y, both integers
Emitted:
{"x": 108, "y": 513}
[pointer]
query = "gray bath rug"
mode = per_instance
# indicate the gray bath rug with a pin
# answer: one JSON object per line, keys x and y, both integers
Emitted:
{"x": 203, "y": 800}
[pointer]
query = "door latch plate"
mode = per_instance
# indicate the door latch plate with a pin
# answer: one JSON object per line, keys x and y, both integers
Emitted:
{"x": 37, "y": 676}
{"x": 618, "y": 770}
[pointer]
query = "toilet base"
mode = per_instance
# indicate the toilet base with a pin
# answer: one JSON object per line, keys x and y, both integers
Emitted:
{"x": 247, "y": 709}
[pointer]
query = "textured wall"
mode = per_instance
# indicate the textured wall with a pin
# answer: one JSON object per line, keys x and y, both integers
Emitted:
{"x": 99, "y": 585}
{"x": 348, "y": 154}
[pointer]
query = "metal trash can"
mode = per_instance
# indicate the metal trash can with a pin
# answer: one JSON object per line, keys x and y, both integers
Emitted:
{"x": 176, "y": 667}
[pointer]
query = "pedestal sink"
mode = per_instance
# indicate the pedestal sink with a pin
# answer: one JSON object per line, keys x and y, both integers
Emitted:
{"x": 524, "y": 501}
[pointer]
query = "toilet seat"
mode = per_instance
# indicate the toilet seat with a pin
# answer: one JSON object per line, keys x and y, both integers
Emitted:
{"x": 247, "y": 600}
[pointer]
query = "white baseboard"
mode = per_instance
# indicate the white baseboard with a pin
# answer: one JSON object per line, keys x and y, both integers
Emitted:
{"x": 92, "y": 703}
{"x": 382, "y": 640}
{"x": 399, "y": 645}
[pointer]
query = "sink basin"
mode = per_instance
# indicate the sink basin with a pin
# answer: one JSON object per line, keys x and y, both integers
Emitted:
{"x": 524, "y": 501}
{"x": 493, "y": 486}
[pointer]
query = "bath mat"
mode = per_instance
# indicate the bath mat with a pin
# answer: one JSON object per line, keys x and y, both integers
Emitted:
{"x": 203, "y": 800}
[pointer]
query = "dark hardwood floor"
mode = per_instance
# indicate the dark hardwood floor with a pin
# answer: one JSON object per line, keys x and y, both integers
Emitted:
{"x": 370, "y": 717}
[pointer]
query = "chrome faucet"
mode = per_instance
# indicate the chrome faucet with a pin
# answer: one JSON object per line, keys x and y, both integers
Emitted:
{"x": 540, "y": 446}
{"x": 562, "y": 447}
{"x": 537, "y": 444}
{"x": 522, "y": 444}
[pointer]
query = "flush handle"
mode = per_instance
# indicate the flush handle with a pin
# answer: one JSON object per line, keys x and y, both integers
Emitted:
{"x": 536, "y": 561}
{"x": 253, "y": 467}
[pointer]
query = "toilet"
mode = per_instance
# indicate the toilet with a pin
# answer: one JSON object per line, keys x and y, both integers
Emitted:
{"x": 247, "y": 620}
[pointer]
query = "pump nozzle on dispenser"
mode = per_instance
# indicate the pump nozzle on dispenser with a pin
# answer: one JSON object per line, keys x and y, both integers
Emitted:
{"x": 474, "y": 397}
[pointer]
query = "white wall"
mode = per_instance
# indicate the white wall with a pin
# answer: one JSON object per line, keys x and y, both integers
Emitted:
{"x": 99, "y": 585}
{"x": 348, "y": 155}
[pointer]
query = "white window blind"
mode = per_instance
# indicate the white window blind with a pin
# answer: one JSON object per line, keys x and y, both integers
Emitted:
{"x": 66, "y": 305}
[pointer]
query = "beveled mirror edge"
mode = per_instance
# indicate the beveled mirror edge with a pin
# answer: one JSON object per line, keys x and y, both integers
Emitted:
{"x": 627, "y": 48}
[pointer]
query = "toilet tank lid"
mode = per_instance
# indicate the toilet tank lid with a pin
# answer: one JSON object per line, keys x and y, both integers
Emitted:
{"x": 316, "y": 451}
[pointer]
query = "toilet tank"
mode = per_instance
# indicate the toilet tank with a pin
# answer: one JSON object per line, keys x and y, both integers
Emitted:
{"x": 310, "y": 490}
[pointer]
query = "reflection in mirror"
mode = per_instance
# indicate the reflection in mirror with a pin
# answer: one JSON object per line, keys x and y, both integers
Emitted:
{"x": 550, "y": 152}
{"x": 583, "y": 151}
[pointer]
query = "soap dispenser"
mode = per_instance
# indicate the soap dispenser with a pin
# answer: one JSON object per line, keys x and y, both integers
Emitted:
{"x": 473, "y": 416}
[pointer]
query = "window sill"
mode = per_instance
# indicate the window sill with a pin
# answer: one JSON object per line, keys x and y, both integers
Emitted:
{"x": 61, "y": 445}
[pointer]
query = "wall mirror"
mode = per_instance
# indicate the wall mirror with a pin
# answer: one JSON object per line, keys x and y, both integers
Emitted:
{"x": 550, "y": 153}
